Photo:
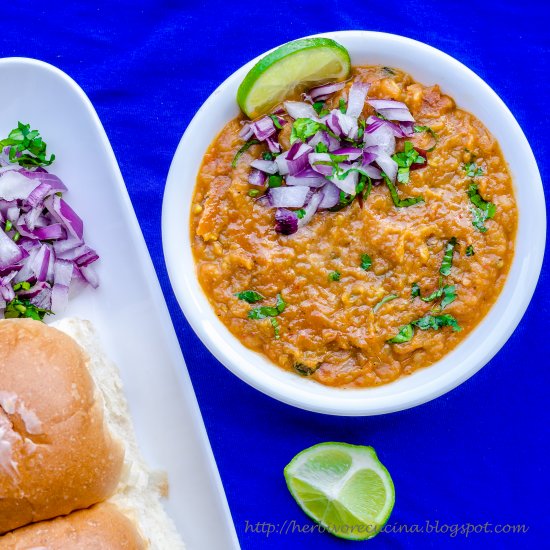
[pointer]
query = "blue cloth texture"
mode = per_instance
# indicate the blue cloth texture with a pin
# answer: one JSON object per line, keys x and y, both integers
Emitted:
{"x": 475, "y": 455}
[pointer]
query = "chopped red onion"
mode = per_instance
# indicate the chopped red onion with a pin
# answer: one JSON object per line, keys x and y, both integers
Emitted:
{"x": 288, "y": 197}
{"x": 300, "y": 109}
{"x": 267, "y": 166}
{"x": 356, "y": 99}
{"x": 311, "y": 208}
{"x": 348, "y": 184}
{"x": 331, "y": 196}
{"x": 322, "y": 92}
{"x": 256, "y": 177}
{"x": 308, "y": 177}
{"x": 287, "y": 221}
{"x": 391, "y": 109}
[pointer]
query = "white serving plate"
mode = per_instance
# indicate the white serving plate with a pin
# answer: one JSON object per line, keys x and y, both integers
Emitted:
{"x": 429, "y": 66}
{"x": 128, "y": 309}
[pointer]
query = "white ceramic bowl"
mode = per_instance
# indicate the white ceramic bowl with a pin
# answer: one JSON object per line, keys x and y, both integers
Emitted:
{"x": 429, "y": 66}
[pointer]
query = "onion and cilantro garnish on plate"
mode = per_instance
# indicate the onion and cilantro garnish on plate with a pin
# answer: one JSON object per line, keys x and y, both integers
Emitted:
{"x": 43, "y": 256}
{"x": 334, "y": 157}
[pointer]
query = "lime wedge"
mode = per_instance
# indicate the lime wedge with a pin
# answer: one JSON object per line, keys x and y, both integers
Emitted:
{"x": 289, "y": 70}
{"x": 342, "y": 487}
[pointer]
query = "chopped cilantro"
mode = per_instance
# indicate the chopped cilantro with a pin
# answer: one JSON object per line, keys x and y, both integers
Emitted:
{"x": 419, "y": 129}
{"x": 26, "y": 147}
{"x": 405, "y": 160}
{"x": 342, "y": 106}
{"x": 321, "y": 148}
{"x": 389, "y": 70}
{"x": 366, "y": 262}
{"x": 263, "y": 312}
{"x": 482, "y": 210}
{"x": 303, "y": 128}
{"x": 383, "y": 301}
{"x": 361, "y": 130}
{"x": 334, "y": 276}
{"x": 318, "y": 106}
{"x": 267, "y": 155}
{"x": 448, "y": 292}
{"x": 472, "y": 170}
{"x": 447, "y": 262}
{"x": 434, "y": 322}
{"x": 23, "y": 308}
{"x": 400, "y": 203}
{"x": 405, "y": 334}
{"x": 470, "y": 250}
{"x": 275, "y": 180}
{"x": 242, "y": 151}
{"x": 253, "y": 193}
{"x": 300, "y": 213}
{"x": 280, "y": 303}
{"x": 250, "y": 296}
{"x": 8, "y": 226}
{"x": 276, "y": 122}
{"x": 275, "y": 325}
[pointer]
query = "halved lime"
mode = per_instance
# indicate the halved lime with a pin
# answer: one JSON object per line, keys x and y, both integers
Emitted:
{"x": 290, "y": 69}
{"x": 344, "y": 488}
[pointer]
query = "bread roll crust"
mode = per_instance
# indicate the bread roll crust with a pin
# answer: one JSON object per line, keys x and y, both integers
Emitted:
{"x": 56, "y": 452}
{"x": 102, "y": 527}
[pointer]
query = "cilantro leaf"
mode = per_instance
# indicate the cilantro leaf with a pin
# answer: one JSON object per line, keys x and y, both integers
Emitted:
{"x": 483, "y": 210}
{"x": 405, "y": 159}
{"x": 321, "y": 148}
{"x": 383, "y": 301}
{"x": 303, "y": 128}
{"x": 23, "y": 308}
{"x": 470, "y": 250}
{"x": 276, "y": 122}
{"x": 250, "y": 296}
{"x": 419, "y": 129}
{"x": 300, "y": 213}
{"x": 334, "y": 276}
{"x": 280, "y": 303}
{"x": 318, "y": 106}
{"x": 242, "y": 151}
{"x": 434, "y": 322}
{"x": 472, "y": 170}
{"x": 263, "y": 312}
{"x": 275, "y": 325}
{"x": 366, "y": 262}
{"x": 447, "y": 262}
{"x": 405, "y": 334}
{"x": 342, "y": 106}
{"x": 400, "y": 203}
{"x": 26, "y": 147}
{"x": 448, "y": 292}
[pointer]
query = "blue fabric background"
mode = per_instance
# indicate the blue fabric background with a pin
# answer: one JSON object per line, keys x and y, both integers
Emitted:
{"x": 478, "y": 454}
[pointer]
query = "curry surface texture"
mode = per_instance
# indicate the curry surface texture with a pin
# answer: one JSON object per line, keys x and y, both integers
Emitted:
{"x": 330, "y": 327}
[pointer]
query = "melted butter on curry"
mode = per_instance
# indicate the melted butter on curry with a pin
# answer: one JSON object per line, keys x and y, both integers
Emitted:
{"x": 329, "y": 329}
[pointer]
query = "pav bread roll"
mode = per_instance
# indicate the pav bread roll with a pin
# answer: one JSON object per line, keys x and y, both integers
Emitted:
{"x": 56, "y": 451}
{"x": 67, "y": 442}
{"x": 101, "y": 527}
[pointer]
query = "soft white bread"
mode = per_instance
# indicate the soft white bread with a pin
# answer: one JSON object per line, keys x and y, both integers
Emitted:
{"x": 139, "y": 492}
{"x": 56, "y": 452}
{"x": 101, "y": 527}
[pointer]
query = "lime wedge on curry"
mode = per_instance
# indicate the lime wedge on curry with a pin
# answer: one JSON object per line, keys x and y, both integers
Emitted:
{"x": 290, "y": 69}
{"x": 344, "y": 488}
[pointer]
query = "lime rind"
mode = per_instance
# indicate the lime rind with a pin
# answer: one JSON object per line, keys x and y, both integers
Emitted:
{"x": 337, "y": 503}
{"x": 291, "y": 68}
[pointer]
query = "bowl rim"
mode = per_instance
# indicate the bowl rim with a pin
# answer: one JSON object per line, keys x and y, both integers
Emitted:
{"x": 309, "y": 395}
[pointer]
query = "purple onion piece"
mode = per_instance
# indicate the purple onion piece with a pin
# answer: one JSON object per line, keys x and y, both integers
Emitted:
{"x": 287, "y": 221}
